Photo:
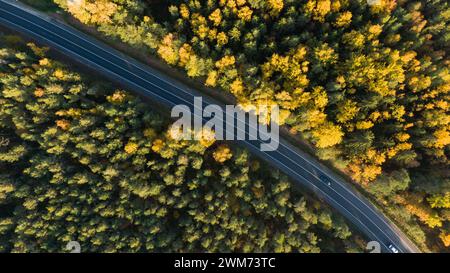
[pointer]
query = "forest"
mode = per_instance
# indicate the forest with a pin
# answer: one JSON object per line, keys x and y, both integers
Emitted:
{"x": 84, "y": 161}
{"x": 365, "y": 82}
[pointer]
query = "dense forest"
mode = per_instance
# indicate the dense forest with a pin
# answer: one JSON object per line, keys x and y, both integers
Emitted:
{"x": 366, "y": 82}
{"x": 82, "y": 161}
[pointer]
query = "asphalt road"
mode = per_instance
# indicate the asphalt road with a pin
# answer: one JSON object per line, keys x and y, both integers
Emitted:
{"x": 145, "y": 81}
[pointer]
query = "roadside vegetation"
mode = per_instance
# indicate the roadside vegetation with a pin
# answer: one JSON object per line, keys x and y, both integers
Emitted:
{"x": 48, "y": 6}
{"x": 82, "y": 161}
{"x": 367, "y": 85}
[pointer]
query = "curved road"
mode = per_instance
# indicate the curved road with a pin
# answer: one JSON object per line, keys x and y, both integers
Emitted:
{"x": 146, "y": 81}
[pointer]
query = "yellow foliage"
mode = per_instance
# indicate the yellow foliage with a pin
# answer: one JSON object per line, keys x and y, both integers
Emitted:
{"x": 184, "y": 11}
{"x": 355, "y": 171}
{"x": 442, "y": 104}
{"x": 398, "y": 111}
{"x": 245, "y": 13}
{"x": 402, "y": 137}
{"x": 347, "y": 111}
{"x": 63, "y": 124}
{"x": 211, "y": 80}
{"x": 375, "y": 30}
{"x": 237, "y": 87}
{"x": 275, "y": 63}
{"x": 413, "y": 205}
{"x": 184, "y": 53}
{"x": 375, "y": 157}
{"x": 318, "y": 8}
{"x": 336, "y": 5}
{"x": 445, "y": 237}
{"x": 212, "y": 35}
{"x": 157, "y": 145}
{"x": 409, "y": 56}
{"x": 283, "y": 116}
{"x": 442, "y": 138}
{"x": 131, "y": 148}
{"x": 222, "y": 153}
{"x": 300, "y": 53}
{"x": 216, "y": 17}
{"x": 286, "y": 101}
{"x": 59, "y": 74}
{"x": 374, "y": 116}
{"x": 44, "y": 62}
{"x": 325, "y": 54}
{"x": 117, "y": 97}
{"x": 440, "y": 200}
{"x": 73, "y": 112}
{"x": 39, "y": 92}
{"x": 408, "y": 125}
{"x": 206, "y": 137}
{"x": 92, "y": 12}
{"x": 39, "y": 51}
{"x": 166, "y": 50}
{"x": 370, "y": 172}
{"x": 355, "y": 40}
{"x": 226, "y": 61}
{"x": 30, "y": 204}
{"x": 364, "y": 125}
{"x": 344, "y": 19}
{"x": 222, "y": 39}
{"x": 320, "y": 97}
{"x": 327, "y": 135}
{"x": 291, "y": 66}
{"x": 313, "y": 118}
{"x": 275, "y": 6}
{"x": 404, "y": 146}
{"x": 383, "y": 6}
{"x": 231, "y": 4}
{"x": 202, "y": 31}
{"x": 364, "y": 173}
{"x": 340, "y": 79}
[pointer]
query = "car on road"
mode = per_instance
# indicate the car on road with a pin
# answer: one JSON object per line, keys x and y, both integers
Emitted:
{"x": 392, "y": 248}
{"x": 325, "y": 179}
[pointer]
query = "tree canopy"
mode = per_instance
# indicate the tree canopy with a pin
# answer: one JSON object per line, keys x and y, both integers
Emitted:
{"x": 89, "y": 163}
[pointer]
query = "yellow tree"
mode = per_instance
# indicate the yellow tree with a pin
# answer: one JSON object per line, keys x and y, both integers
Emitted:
{"x": 211, "y": 80}
{"x": 445, "y": 237}
{"x": 216, "y": 17}
{"x": 185, "y": 52}
{"x": 167, "y": 50}
{"x": 318, "y": 9}
{"x": 222, "y": 153}
{"x": 245, "y": 13}
{"x": 347, "y": 111}
{"x": 344, "y": 19}
{"x": 222, "y": 38}
{"x": 92, "y": 12}
{"x": 275, "y": 6}
{"x": 327, "y": 135}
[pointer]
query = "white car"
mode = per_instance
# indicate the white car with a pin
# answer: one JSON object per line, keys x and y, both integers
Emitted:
{"x": 393, "y": 248}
